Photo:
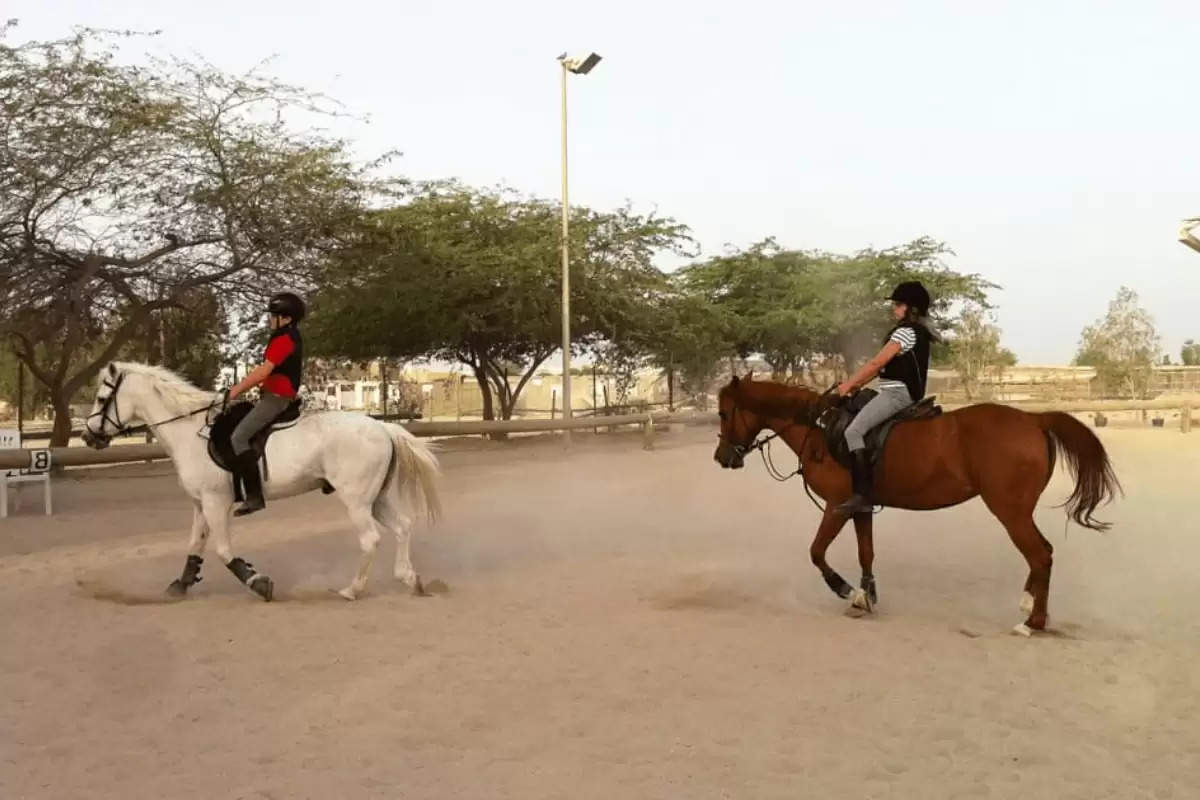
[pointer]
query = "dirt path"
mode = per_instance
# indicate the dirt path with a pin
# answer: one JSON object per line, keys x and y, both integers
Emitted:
{"x": 619, "y": 624}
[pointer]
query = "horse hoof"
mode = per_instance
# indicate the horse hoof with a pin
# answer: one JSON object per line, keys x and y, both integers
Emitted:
{"x": 860, "y": 599}
{"x": 419, "y": 588}
{"x": 1022, "y": 629}
{"x": 176, "y": 589}
{"x": 868, "y": 586}
{"x": 347, "y": 593}
{"x": 263, "y": 586}
{"x": 1026, "y": 604}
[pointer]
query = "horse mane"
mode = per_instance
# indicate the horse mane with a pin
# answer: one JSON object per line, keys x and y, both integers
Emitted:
{"x": 179, "y": 394}
{"x": 773, "y": 399}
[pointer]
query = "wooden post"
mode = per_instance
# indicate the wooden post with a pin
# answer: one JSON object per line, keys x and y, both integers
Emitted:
{"x": 20, "y": 396}
{"x": 553, "y": 401}
{"x": 1185, "y": 419}
{"x": 383, "y": 383}
{"x": 648, "y": 433}
{"x": 594, "y": 409}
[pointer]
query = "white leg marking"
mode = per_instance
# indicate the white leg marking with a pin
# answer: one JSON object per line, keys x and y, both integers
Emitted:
{"x": 859, "y": 599}
{"x": 1026, "y": 603}
{"x": 403, "y": 569}
{"x": 368, "y": 540}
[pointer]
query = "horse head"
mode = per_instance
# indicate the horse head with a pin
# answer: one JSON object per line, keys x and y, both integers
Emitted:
{"x": 746, "y": 407}
{"x": 740, "y": 425}
{"x": 104, "y": 422}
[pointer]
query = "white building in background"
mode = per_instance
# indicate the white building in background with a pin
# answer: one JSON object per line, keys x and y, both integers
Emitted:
{"x": 361, "y": 395}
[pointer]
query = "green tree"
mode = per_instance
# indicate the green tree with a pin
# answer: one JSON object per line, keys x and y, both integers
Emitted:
{"x": 1123, "y": 346}
{"x": 794, "y": 307}
{"x": 975, "y": 351}
{"x": 125, "y": 189}
{"x": 686, "y": 337}
{"x": 187, "y": 338}
{"x": 1190, "y": 354}
{"x": 473, "y": 276}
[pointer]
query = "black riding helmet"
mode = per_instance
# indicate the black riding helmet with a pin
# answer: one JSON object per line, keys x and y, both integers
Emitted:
{"x": 286, "y": 304}
{"x": 913, "y": 295}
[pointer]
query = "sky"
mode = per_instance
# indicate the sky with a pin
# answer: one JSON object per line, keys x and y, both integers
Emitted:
{"x": 1052, "y": 145}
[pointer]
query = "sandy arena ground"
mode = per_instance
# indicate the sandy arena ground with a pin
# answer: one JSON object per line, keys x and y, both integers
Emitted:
{"x": 620, "y": 624}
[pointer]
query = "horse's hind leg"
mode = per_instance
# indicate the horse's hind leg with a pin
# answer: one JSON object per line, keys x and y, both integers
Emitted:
{"x": 368, "y": 541}
{"x": 389, "y": 514}
{"x": 1040, "y": 557}
{"x": 1027, "y": 598}
{"x": 1038, "y": 553}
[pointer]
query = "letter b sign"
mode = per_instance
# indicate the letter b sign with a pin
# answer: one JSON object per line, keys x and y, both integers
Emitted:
{"x": 39, "y": 460}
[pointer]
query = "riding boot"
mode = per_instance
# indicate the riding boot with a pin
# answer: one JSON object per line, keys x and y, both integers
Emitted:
{"x": 860, "y": 475}
{"x": 251, "y": 484}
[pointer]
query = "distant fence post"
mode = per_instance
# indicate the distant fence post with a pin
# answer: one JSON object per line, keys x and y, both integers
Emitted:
{"x": 648, "y": 432}
{"x": 1185, "y": 419}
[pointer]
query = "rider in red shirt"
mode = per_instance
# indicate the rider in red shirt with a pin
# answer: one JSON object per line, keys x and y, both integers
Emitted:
{"x": 279, "y": 375}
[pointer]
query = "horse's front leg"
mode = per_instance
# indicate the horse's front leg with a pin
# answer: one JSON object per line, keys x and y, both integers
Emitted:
{"x": 195, "y": 556}
{"x": 217, "y": 509}
{"x": 831, "y": 525}
{"x": 864, "y": 530}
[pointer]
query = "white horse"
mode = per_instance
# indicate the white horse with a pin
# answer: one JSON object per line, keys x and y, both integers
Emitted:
{"x": 379, "y": 470}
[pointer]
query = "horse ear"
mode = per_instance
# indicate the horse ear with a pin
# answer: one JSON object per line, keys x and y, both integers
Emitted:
{"x": 734, "y": 383}
{"x": 112, "y": 369}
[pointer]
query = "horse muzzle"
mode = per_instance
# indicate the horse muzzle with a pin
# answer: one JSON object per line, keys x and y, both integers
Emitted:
{"x": 95, "y": 441}
{"x": 729, "y": 457}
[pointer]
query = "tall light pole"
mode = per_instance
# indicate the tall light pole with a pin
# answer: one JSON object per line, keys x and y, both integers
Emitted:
{"x": 1187, "y": 234}
{"x": 579, "y": 66}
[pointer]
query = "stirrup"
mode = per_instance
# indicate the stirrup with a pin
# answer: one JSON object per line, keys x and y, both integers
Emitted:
{"x": 248, "y": 507}
{"x": 855, "y": 504}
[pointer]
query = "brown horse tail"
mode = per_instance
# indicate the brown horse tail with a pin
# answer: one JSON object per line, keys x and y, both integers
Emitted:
{"x": 1095, "y": 481}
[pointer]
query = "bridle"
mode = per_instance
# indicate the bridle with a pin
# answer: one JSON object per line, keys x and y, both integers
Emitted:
{"x": 812, "y": 417}
{"x": 110, "y": 413}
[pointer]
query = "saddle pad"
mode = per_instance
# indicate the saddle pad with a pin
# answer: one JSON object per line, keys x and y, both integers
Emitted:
{"x": 876, "y": 439}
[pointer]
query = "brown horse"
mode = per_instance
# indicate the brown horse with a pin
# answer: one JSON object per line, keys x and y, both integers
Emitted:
{"x": 999, "y": 453}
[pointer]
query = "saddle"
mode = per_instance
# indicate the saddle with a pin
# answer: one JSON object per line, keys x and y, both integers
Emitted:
{"x": 835, "y": 420}
{"x": 220, "y": 433}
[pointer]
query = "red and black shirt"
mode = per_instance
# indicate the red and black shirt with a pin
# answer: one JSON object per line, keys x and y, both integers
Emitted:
{"x": 286, "y": 352}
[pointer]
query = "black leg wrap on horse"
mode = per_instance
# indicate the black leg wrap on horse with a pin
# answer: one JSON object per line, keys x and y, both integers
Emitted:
{"x": 838, "y": 584}
{"x": 243, "y": 569}
{"x": 868, "y": 585}
{"x": 191, "y": 571}
{"x": 189, "y": 578}
{"x": 258, "y": 583}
